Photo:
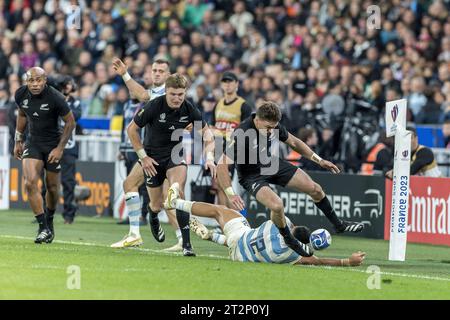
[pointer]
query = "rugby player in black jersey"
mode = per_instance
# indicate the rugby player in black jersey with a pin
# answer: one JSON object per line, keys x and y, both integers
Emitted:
{"x": 257, "y": 167}
{"x": 40, "y": 107}
{"x": 160, "y": 155}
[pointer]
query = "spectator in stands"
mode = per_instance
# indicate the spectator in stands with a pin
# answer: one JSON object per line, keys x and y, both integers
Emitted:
{"x": 422, "y": 159}
{"x": 446, "y": 133}
{"x": 381, "y": 156}
{"x": 318, "y": 49}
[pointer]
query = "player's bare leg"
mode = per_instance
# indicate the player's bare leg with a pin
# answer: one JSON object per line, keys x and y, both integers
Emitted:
{"x": 51, "y": 198}
{"x": 302, "y": 182}
{"x": 221, "y": 214}
{"x": 171, "y": 215}
{"x": 32, "y": 169}
{"x": 271, "y": 200}
{"x": 133, "y": 203}
{"x": 178, "y": 175}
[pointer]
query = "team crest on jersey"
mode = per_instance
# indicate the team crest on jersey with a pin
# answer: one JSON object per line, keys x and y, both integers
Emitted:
{"x": 25, "y": 104}
{"x": 184, "y": 119}
{"x": 162, "y": 117}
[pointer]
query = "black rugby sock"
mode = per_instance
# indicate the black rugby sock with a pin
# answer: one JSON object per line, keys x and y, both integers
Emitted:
{"x": 50, "y": 214}
{"x": 41, "y": 221}
{"x": 183, "y": 223}
{"x": 325, "y": 206}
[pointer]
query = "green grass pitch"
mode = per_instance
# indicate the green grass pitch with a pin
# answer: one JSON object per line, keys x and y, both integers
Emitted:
{"x": 30, "y": 271}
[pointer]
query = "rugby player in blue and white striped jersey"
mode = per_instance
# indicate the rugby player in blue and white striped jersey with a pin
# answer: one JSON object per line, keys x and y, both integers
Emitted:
{"x": 263, "y": 244}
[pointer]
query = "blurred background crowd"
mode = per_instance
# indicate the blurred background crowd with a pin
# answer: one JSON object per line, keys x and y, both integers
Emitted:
{"x": 328, "y": 69}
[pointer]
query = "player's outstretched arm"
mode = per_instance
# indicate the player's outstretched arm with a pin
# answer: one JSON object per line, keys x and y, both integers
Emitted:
{"x": 356, "y": 259}
{"x": 135, "y": 88}
{"x": 302, "y": 148}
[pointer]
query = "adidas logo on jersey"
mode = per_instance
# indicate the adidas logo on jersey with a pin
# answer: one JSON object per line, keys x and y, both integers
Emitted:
{"x": 36, "y": 114}
{"x": 172, "y": 128}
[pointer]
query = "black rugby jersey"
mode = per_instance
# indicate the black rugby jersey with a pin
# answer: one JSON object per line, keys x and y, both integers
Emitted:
{"x": 248, "y": 147}
{"x": 42, "y": 112}
{"x": 160, "y": 121}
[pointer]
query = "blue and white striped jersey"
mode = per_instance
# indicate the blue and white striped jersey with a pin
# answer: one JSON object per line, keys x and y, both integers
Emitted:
{"x": 263, "y": 244}
{"x": 157, "y": 92}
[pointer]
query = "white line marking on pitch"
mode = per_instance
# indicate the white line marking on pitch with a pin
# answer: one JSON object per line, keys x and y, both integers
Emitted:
{"x": 404, "y": 275}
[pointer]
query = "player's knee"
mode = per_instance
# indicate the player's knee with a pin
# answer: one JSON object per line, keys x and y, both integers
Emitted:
{"x": 315, "y": 190}
{"x": 155, "y": 206}
{"x": 52, "y": 188}
{"x": 277, "y": 206}
{"x": 31, "y": 185}
{"x": 129, "y": 185}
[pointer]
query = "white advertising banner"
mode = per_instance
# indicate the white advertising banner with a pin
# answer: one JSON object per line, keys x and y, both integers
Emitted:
{"x": 395, "y": 116}
{"x": 4, "y": 182}
{"x": 400, "y": 196}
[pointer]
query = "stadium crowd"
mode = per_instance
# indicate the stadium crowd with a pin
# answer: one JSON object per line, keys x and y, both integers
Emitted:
{"x": 320, "y": 61}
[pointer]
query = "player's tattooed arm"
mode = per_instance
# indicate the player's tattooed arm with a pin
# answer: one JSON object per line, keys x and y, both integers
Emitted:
{"x": 21, "y": 123}
{"x": 69, "y": 125}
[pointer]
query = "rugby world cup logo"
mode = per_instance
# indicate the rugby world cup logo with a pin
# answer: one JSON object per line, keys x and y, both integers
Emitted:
{"x": 405, "y": 154}
{"x": 394, "y": 112}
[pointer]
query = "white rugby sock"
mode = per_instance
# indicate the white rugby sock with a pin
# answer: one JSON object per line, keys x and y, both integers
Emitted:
{"x": 133, "y": 203}
{"x": 218, "y": 238}
{"x": 184, "y": 205}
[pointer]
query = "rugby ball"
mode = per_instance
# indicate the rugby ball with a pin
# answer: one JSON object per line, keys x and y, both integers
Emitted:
{"x": 320, "y": 239}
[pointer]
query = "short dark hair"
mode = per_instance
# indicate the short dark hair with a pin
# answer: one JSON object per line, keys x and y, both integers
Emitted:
{"x": 162, "y": 61}
{"x": 302, "y": 234}
{"x": 412, "y": 129}
{"x": 269, "y": 111}
{"x": 176, "y": 81}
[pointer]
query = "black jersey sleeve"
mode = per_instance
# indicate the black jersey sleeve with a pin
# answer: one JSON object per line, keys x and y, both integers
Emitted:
{"x": 196, "y": 115}
{"x": 19, "y": 95}
{"x": 423, "y": 157}
{"x": 246, "y": 111}
{"x": 61, "y": 106}
{"x": 145, "y": 115}
{"x": 283, "y": 132}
